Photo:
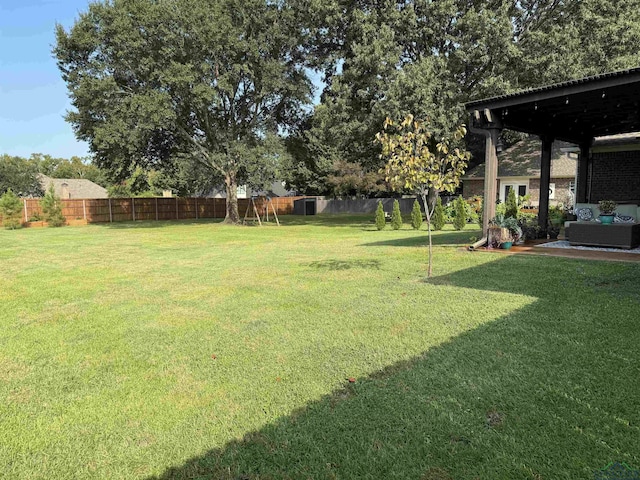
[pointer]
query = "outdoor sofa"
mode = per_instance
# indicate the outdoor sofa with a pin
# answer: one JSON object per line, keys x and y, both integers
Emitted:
{"x": 624, "y": 233}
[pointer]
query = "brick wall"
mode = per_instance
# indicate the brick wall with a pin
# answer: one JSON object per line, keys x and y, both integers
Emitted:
{"x": 471, "y": 188}
{"x": 562, "y": 190}
{"x": 616, "y": 176}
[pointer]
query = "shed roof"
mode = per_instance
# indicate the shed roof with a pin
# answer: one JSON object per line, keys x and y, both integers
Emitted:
{"x": 522, "y": 159}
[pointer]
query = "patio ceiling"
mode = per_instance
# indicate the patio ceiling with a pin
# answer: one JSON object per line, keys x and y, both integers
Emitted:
{"x": 575, "y": 111}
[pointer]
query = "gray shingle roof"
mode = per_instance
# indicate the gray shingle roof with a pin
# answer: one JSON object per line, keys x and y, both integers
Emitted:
{"x": 522, "y": 159}
{"x": 77, "y": 187}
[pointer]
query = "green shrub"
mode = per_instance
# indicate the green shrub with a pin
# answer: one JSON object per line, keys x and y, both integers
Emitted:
{"x": 52, "y": 208}
{"x": 416, "y": 216}
{"x": 11, "y": 210}
{"x": 437, "y": 220}
{"x": 396, "y": 216}
{"x": 380, "y": 220}
{"x": 511, "y": 205}
{"x": 460, "y": 219}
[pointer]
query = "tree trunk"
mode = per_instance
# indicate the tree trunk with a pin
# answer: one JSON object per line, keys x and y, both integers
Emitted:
{"x": 232, "y": 216}
{"x": 428, "y": 214}
{"x": 433, "y": 195}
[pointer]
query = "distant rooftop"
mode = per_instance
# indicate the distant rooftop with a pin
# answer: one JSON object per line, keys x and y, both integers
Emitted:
{"x": 522, "y": 159}
{"x": 73, "y": 187}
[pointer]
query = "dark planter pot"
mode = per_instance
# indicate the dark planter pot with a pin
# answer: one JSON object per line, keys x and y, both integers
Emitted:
{"x": 606, "y": 219}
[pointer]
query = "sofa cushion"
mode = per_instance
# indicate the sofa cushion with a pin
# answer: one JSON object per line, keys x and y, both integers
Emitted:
{"x": 584, "y": 214}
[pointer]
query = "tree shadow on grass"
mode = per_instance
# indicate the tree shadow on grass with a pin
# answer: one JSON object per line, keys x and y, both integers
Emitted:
{"x": 141, "y": 224}
{"x": 345, "y": 264}
{"x": 440, "y": 239}
{"x": 545, "y": 391}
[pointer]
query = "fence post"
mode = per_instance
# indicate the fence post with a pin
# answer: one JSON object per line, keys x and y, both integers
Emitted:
{"x": 156, "y": 209}
{"x": 26, "y": 216}
{"x": 196, "y": 208}
{"x": 84, "y": 209}
{"x": 177, "y": 208}
{"x": 110, "y": 212}
{"x": 214, "y": 207}
{"x": 133, "y": 209}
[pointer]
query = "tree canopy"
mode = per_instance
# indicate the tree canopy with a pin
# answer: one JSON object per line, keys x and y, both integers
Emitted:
{"x": 391, "y": 58}
{"x": 160, "y": 85}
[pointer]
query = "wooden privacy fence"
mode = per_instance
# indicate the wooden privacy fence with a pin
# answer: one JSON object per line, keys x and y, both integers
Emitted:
{"x": 105, "y": 210}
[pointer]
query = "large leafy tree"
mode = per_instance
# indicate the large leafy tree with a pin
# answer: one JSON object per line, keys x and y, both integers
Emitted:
{"x": 390, "y": 58}
{"x": 160, "y": 83}
{"x": 19, "y": 175}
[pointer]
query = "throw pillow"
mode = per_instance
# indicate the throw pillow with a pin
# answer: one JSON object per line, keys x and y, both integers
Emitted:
{"x": 585, "y": 214}
{"x": 623, "y": 219}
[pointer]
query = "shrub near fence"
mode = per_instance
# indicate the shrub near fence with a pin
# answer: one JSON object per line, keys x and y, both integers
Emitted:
{"x": 105, "y": 210}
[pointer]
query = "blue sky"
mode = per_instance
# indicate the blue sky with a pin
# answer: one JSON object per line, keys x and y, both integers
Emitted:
{"x": 33, "y": 97}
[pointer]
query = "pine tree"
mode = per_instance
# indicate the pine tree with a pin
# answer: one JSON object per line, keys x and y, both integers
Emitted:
{"x": 416, "y": 216}
{"x": 438, "y": 215}
{"x": 380, "y": 220}
{"x": 396, "y": 216}
{"x": 52, "y": 208}
{"x": 11, "y": 210}
{"x": 511, "y": 205}
{"x": 460, "y": 218}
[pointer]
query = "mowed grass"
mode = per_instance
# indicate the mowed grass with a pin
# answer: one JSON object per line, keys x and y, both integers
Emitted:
{"x": 193, "y": 350}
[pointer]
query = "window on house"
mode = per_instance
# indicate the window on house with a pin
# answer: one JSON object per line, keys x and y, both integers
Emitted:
{"x": 520, "y": 189}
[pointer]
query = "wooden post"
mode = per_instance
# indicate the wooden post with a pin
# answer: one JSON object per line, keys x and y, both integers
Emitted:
{"x": 177, "y": 208}
{"x": 490, "y": 178}
{"x": 26, "y": 216}
{"x": 156, "y": 209}
{"x": 133, "y": 208}
{"x": 84, "y": 209}
{"x": 545, "y": 179}
{"x": 110, "y": 212}
{"x": 214, "y": 207}
{"x": 196, "y": 208}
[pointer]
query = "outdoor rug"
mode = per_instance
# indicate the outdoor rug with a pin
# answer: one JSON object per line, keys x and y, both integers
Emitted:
{"x": 565, "y": 244}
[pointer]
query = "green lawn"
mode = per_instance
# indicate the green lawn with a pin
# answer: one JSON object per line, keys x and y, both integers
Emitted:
{"x": 197, "y": 350}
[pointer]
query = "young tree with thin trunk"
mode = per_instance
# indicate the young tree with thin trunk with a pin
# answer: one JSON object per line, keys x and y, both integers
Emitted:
{"x": 419, "y": 162}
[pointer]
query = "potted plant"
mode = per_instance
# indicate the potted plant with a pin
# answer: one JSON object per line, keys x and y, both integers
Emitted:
{"x": 607, "y": 211}
{"x": 556, "y": 219}
{"x": 504, "y": 231}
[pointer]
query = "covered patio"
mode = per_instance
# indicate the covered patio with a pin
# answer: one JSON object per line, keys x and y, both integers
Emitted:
{"x": 576, "y": 111}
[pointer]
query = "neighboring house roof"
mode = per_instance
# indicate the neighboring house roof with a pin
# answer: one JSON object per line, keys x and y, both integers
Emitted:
{"x": 522, "y": 159}
{"x": 73, "y": 187}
